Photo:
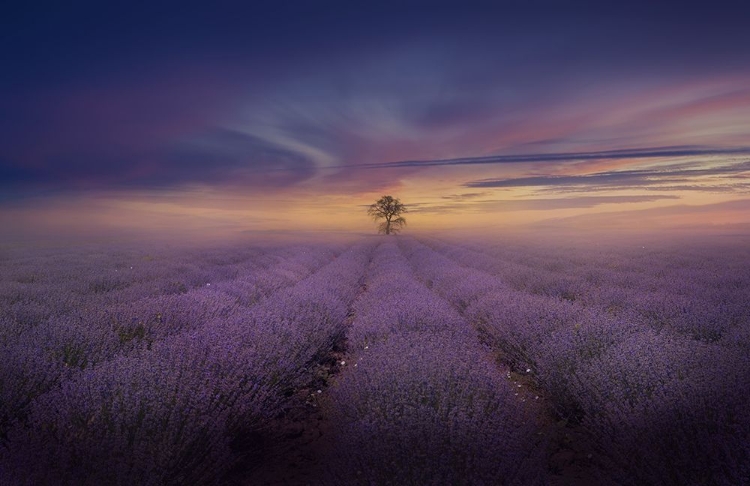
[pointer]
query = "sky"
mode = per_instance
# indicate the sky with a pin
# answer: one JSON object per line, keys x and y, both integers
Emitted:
{"x": 269, "y": 116}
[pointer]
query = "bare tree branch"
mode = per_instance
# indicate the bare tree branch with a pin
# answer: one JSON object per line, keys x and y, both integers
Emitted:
{"x": 390, "y": 209}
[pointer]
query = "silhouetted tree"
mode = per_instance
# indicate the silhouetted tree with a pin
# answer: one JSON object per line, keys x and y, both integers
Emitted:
{"x": 390, "y": 209}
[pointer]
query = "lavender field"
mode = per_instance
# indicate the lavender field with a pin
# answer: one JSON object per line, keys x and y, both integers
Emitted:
{"x": 389, "y": 360}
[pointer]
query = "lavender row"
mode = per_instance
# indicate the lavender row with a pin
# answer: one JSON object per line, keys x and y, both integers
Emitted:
{"x": 34, "y": 288}
{"x": 661, "y": 407}
{"x": 699, "y": 291}
{"x": 168, "y": 311}
{"x": 175, "y": 413}
{"x": 423, "y": 403}
{"x": 40, "y": 357}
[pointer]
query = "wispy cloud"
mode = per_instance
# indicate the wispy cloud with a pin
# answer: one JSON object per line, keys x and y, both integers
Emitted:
{"x": 642, "y": 153}
{"x": 464, "y": 197}
{"x": 676, "y": 175}
{"x": 536, "y": 204}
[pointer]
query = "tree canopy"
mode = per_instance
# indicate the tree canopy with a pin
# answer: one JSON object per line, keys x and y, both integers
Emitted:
{"x": 389, "y": 209}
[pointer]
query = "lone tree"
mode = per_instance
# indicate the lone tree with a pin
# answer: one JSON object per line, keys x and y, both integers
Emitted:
{"x": 390, "y": 209}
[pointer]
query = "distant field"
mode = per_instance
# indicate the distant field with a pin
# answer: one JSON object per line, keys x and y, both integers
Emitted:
{"x": 383, "y": 360}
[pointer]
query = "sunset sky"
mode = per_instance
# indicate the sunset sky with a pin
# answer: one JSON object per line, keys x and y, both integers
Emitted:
{"x": 270, "y": 115}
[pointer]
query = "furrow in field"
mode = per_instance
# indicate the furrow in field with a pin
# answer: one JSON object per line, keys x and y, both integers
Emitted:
{"x": 420, "y": 401}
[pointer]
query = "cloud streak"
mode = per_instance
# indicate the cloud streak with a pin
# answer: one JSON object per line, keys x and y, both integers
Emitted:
{"x": 642, "y": 153}
{"x": 622, "y": 179}
{"x": 537, "y": 204}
